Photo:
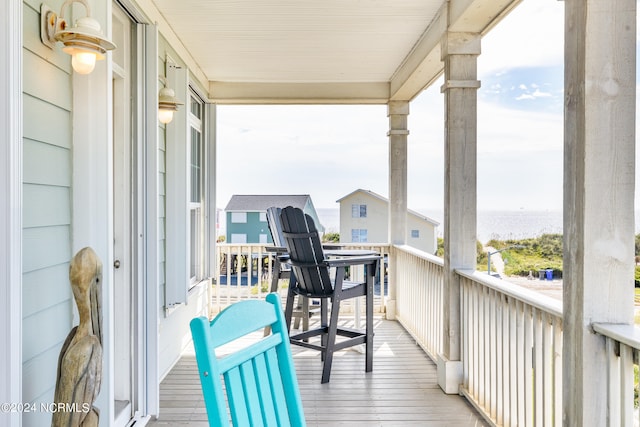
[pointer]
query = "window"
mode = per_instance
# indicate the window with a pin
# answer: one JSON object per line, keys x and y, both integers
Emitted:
{"x": 358, "y": 235}
{"x": 358, "y": 211}
{"x": 195, "y": 180}
{"x": 415, "y": 234}
{"x": 263, "y": 239}
{"x": 263, "y": 217}
{"x": 239, "y": 217}
{"x": 238, "y": 238}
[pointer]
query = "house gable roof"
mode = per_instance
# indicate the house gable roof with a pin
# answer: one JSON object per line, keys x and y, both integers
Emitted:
{"x": 261, "y": 202}
{"x": 385, "y": 200}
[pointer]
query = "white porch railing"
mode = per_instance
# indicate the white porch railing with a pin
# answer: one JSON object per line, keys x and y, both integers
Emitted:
{"x": 511, "y": 351}
{"x": 622, "y": 343}
{"x": 511, "y": 338}
{"x": 420, "y": 280}
{"x": 244, "y": 271}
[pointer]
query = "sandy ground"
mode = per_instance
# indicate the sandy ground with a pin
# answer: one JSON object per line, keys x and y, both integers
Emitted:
{"x": 552, "y": 288}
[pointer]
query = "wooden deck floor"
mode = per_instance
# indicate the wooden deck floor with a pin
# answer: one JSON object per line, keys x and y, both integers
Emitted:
{"x": 402, "y": 390}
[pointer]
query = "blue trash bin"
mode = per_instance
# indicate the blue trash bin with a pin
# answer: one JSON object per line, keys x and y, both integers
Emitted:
{"x": 549, "y": 274}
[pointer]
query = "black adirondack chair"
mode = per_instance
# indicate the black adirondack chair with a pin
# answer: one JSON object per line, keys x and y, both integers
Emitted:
{"x": 313, "y": 280}
{"x": 282, "y": 269}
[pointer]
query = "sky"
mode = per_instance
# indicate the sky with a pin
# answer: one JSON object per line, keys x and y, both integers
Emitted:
{"x": 520, "y": 115}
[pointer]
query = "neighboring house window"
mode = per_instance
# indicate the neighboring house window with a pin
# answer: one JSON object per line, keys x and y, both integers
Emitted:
{"x": 238, "y": 238}
{"x": 358, "y": 211}
{"x": 263, "y": 239}
{"x": 415, "y": 234}
{"x": 359, "y": 235}
{"x": 196, "y": 159}
{"x": 263, "y": 217}
{"x": 239, "y": 217}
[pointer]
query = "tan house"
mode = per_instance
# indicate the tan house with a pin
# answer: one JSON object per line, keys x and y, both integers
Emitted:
{"x": 364, "y": 217}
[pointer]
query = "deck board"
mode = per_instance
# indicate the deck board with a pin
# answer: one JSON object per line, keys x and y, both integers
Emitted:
{"x": 402, "y": 390}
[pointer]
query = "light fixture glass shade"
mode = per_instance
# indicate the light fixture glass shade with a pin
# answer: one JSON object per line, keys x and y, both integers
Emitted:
{"x": 83, "y": 62}
{"x": 165, "y": 116}
{"x": 167, "y": 104}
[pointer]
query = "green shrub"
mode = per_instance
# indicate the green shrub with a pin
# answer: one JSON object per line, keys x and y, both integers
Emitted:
{"x": 331, "y": 237}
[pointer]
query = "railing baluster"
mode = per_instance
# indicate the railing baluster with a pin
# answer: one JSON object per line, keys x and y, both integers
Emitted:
{"x": 528, "y": 366}
{"x": 521, "y": 351}
{"x": 474, "y": 327}
{"x": 499, "y": 365}
{"x": 557, "y": 372}
{"x": 493, "y": 356}
{"x": 547, "y": 358}
{"x": 626, "y": 385}
{"x": 538, "y": 369}
{"x": 613, "y": 383}
{"x": 513, "y": 364}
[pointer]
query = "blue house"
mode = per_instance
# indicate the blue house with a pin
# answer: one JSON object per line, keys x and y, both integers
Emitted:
{"x": 246, "y": 215}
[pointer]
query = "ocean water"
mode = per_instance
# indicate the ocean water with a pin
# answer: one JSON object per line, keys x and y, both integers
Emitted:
{"x": 501, "y": 225}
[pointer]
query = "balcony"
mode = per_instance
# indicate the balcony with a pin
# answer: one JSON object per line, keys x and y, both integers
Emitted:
{"x": 510, "y": 353}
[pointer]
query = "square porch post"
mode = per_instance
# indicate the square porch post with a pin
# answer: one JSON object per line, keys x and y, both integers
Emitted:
{"x": 599, "y": 185}
{"x": 397, "y": 111}
{"x": 459, "y": 53}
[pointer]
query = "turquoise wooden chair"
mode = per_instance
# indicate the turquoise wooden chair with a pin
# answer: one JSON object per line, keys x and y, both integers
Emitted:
{"x": 257, "y": 382}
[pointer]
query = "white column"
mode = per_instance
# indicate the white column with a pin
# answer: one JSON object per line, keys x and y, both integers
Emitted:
{"x": 599, "y": 185}
{"x": 459, "y": 53}
{"x": 397, "y": 111}
{"x": 11, "y": 209}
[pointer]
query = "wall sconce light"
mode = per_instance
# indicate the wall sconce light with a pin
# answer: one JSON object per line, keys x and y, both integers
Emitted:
{"x": 84, "y": 41}
{"x": 167, "y": 104}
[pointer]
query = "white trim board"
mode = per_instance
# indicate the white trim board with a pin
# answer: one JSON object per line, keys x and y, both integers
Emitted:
{"x": 11, "y": 208}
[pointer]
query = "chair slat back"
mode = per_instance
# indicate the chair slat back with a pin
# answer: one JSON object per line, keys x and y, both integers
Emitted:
{"x": 305, "y": 251}
{"x": 260, "y": 384}
{"x": 273, "y": 221}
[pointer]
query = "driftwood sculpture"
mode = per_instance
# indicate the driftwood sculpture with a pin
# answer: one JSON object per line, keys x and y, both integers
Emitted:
{"x": 80, "y": 361}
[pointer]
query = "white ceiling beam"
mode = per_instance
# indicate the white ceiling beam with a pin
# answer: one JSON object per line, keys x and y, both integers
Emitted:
{"x": 423, "y": 65}
{"x": 298, "y": 93}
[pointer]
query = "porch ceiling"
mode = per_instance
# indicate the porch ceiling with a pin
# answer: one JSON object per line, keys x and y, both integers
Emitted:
{"x": 330, "y": 51}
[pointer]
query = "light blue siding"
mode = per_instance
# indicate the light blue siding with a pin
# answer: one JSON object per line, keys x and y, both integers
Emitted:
{"x": 41, "y": 366}
{"x": 49, "y": 333}
{"x": 253, "y": 228}
{"x": 44, "y": 247}
{"x": 50, "y": 124}
{"x": 46, "y": 164}
{"x": 47, "y": 81}
{"x": 47, "y": 304}
{"x": 46, "y": 205}
{"x": 38, "y": 288}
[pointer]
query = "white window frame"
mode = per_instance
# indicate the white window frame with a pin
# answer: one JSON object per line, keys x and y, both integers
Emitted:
{"x": 238, "y": 217}
{"x": 195, "y": 207}
{"x": 359, "y": 232}
{"x": 358, "y": 210}
{"x": 238, "y": 238}
{"x": 177, "y": 260}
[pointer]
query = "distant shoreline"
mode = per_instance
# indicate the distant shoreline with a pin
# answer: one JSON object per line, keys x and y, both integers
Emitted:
{"x": 492, "y": 224}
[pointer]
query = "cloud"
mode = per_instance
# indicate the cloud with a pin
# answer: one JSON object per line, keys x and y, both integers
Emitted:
{"x": 532, "y": 35}
{"x": 533, "y": 95}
